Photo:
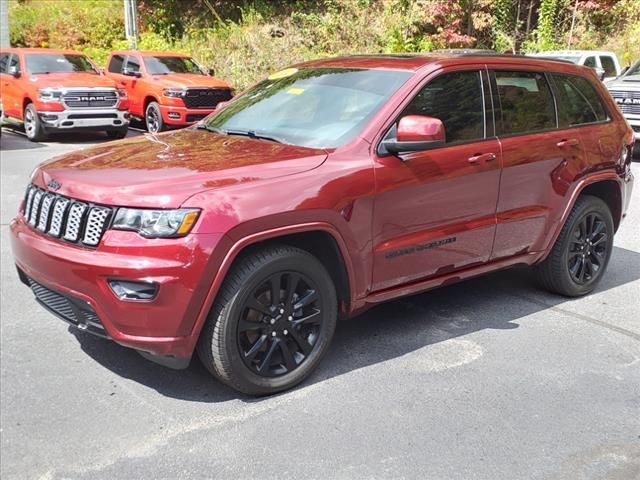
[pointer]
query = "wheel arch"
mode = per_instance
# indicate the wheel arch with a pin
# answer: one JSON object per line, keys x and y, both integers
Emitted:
{"x": 318, "y": 238}
{"x": 609, "y": 192}
{"x": 147, "y": 100}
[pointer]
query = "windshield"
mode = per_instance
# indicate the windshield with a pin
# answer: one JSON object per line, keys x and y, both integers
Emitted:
{"x": 165, "y": 65}
{"x": 633, "y": 74}
{"x": 58, "y": 63}
{"x": 311, "y": 107}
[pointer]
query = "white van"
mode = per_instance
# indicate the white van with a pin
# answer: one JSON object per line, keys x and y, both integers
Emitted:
{"x": 605, "y": 63}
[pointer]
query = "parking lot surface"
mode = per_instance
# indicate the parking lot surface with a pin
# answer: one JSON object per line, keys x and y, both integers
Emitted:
{"x": 486, "y": 379}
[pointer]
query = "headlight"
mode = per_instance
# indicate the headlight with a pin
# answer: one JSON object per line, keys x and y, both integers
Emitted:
{"x": 156, "y": 223}
{"x": 50, "y": 95}
{"x": 174, "y": 92}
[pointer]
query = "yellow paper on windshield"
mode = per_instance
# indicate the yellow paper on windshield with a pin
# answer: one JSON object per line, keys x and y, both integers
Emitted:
{"x": 295, "y": 91}
{"x": 287, "y": 72}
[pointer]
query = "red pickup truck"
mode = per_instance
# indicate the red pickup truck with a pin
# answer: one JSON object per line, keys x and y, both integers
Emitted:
{"x": 59, "y": 90}
{"x": 166, "y": 89}
{"x": 325, "y": 189}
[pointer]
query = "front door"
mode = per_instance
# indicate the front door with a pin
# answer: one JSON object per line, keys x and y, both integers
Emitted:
{"x": 435, "y": 210}
{"x": 11, "y": 94}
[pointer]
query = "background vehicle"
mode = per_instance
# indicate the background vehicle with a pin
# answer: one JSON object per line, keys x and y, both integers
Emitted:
{"x": 605, "y": 64}
{"x": 59, "y": 90}
{"x": 325, "y": 189}
{"x": 625, "y": 90}
{"x": 166, "y": 89}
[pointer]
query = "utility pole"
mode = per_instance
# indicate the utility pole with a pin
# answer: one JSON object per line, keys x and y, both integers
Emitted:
{"x": 4, "y": 24}
{"x": 130, "y": 23}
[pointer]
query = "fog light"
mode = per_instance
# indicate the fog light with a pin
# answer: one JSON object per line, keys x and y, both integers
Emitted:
{"x": 127, "y": 290}
{"x": 174, "y": 115}
{"x": 49, "y": 118}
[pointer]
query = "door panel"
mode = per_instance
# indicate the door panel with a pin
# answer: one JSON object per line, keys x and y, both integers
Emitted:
{"x": 11, "y": 92}
{"x": 434, "y": 212}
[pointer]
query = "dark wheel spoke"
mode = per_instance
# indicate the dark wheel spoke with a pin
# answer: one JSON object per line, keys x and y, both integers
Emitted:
{"x": 254, "y": 304}
{"x": 581, "y": 270}
{"x": 597, "y": 229}
{"x": 287, "y": 356}
{"x": 255, "y": 348}
{"x": 274, "y": 289}
{"x": 266, "y": 361}
{"x": 313, "y": 317}
{"x": 301, "y": 341}
{"x": 308, "y": 299}
{"x": 602, "y": 238}
{"x": 576, "y": 266}
{"x": 245, "y": 325}
{"x": 293, "y": 279}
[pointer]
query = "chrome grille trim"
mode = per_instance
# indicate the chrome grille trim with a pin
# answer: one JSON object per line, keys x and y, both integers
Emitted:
{"x": 75, "y": 221}
{"x": 90, "y": 98}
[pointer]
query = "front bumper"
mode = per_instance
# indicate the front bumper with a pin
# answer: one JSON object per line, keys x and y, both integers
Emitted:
{"x": 84, "y": 118}
{"x": 173, "y": 115}
{"x": 162, "y": 327}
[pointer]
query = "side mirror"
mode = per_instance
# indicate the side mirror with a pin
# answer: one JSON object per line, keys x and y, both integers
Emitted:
{"x": 13, "y": 71}
{"x": 210, "y": 71}
{"x": 600, "y": 72}
{"x": 416, "y": 133}
{"x": 131, "y": 73}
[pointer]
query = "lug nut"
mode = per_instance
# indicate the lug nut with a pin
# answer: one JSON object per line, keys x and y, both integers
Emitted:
{"x": 290, "y": 318}
{"x": 281, "y": 310}
{"x": 286, "y": 332}
{"x": 273, "y": 334}
{"x": 273, "y": 320}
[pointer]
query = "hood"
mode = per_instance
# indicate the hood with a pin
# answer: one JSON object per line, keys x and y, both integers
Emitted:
{"x": 70, "y": 80}
{"x": 189, "y": 80}
{"x": 624, "y": 84}
{"x": 163, "y": 171}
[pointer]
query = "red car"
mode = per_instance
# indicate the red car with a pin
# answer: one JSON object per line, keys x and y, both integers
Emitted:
{"x": 166, "y": 89}
{"x": 325, "y": 189}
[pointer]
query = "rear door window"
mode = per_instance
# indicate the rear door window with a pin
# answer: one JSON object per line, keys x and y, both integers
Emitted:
{"x": 115, "y": 64}
{"x": 608, "y": 65}
{"x": 525, "y": 102}
{"x": 579, "y": 102}
{"x": 456, "y": 99}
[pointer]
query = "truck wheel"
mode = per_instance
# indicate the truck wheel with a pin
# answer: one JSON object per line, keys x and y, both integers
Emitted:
{"x": 117, "y": 133}
{"x": 153, "y": 117}
{"x": 33, "y": 125}
{"x": 272, "y": 321}
{"x": 581, "y": 253}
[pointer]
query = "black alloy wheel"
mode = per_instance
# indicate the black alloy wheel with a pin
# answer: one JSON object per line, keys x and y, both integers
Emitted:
{"x": 588, "y": 248}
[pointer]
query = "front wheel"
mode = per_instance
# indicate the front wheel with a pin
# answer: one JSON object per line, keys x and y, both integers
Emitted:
{"x": 153, "y": 118}
{"x": 33, "y": 125}
{"x": 272, "y": 321}
{"x": 116, "y": 134}
{"x": 581, "y": 253}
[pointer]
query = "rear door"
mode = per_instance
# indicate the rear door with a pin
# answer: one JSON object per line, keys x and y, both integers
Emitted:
{"x": 536, "y": 156}
{"x": 434, "y": 210}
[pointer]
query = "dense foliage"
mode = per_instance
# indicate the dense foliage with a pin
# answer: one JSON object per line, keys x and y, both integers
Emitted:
{"x": 243, "y": 41}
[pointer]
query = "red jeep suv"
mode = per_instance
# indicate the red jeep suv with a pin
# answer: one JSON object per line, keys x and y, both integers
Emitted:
{"x": 320, "y": 191}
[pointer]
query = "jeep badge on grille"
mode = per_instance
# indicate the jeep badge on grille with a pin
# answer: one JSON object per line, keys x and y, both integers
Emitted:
{"x": 53, "y": 185}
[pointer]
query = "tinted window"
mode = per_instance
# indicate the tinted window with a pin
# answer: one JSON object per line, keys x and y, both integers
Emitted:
{"x": 313, "y": 107}
{"x": 456, "y": 99}
{"x": 115, "y": 65}
{"x": 14, "y": 62}
{"x": 164, "y": 65}
{"x": 4, "y": 62}
{"x": 57, "y": 63}
{"x": 609, "y": 66}
{"x": 133, "y": 65}
{"x": 590, "y": 62}
{"x": 579, "y": 101}
{"x": 525, "y": 101}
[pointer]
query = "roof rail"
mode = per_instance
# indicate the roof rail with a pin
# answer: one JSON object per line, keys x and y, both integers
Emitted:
{"x": 509, "y": 55}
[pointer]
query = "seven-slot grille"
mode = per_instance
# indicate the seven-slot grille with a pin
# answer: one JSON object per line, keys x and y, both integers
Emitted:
{"x": 65, "y": 218}
{"x": 628, "y": 101}
{"x": 90, "y": 99}
{"x": 206, "y": 97}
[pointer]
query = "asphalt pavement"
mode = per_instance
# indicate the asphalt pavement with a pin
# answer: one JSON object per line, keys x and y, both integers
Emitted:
{"x": 486, "y": 379}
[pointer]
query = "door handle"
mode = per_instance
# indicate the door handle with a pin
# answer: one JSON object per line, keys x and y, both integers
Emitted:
{"x": 480, "y": 158}
{"x": 571, "y": 142}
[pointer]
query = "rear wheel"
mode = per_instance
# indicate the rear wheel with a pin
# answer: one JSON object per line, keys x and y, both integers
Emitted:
{"x": 33, "y": 125}
{"x": 272, "y": 321}
{"x": 581, "y": 253}
{"x": 153, "y": 118}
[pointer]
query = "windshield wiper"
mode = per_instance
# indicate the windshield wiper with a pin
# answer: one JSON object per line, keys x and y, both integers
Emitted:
{"x": 209, "y": 128}
{"x": 256, "y": 135}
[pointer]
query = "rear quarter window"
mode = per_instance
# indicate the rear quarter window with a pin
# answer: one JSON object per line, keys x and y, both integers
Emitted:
{"x": 579, "y": 102}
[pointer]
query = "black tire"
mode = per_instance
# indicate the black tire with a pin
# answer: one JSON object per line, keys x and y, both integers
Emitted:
{"x": 153, "y": 118}
{"x": 33, "y": 125}
{"x": 116, "y": 134}
{"x": 579, "y": 257}
{"x": 301, "y": 336}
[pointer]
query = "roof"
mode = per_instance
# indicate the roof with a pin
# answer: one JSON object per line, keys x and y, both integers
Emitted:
{"x": 42, "y": 50}
{"x": 414, "y": 62}
{"x": 151, "y": 52}
{"x": 571, "y": 53}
